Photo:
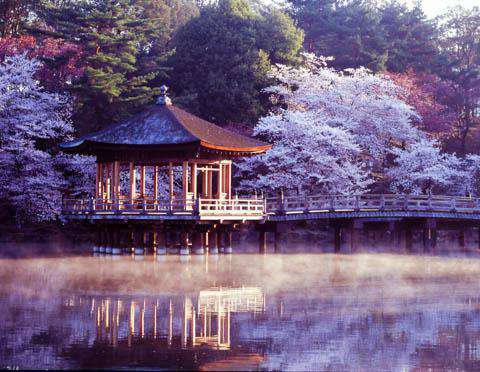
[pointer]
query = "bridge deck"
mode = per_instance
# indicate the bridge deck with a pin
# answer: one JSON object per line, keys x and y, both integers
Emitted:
{"x": 289, "y": 208}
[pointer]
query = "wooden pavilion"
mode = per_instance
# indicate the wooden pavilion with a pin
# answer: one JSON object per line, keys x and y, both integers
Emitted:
{"x": 164, "y": 164}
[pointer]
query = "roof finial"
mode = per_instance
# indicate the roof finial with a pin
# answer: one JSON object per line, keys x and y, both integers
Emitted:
{"x": 163, "y": 99}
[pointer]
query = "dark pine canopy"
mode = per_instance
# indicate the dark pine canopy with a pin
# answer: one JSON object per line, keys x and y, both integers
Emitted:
{"x": 165, "y": 131}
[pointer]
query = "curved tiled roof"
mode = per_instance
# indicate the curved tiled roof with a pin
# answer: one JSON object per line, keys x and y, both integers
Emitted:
{"x": 167, "y": 125}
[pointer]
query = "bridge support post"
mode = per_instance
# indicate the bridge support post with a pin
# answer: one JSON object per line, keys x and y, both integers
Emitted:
{"x": 220, "y": 241}
{"x": 461, "y": 239}
{"x": 277, "y": 238}
{"x": 337, "y": 238}
{"x": 212, "y": 242}
{"x": 139, "y": 241}
{"x": 108, "y": 239}
{"x": 228, "y": 242}
{"x": 117, "y": 243}
{"x": 430, "y": 235}
{"x": 197, "y": 245}
{"x": 355, "y": 235}
{"x": 262, "y": 241}
{"x": 184, "y": 249}
{"x": 173, "y": 242}
{"x": 205, "y": 241}
{"x": 408, "y": 239}
{"x": 161, "y": 242}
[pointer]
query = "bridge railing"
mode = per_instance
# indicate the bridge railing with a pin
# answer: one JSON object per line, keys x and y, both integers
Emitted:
{"x": 234, "y": 206}
{"x": 369, "y": 202}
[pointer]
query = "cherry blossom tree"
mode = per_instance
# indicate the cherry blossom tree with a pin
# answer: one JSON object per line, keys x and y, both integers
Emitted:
{"x": 332, "y": 129}
{"x": 422, "y": 168}
{"x": 32, "y": 123}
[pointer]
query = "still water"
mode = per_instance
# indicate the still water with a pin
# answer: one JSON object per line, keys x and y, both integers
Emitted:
{"x": 290, "y": 312}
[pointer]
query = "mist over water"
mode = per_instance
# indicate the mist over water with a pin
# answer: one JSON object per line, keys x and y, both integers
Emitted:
{"x": 365, "y": 311}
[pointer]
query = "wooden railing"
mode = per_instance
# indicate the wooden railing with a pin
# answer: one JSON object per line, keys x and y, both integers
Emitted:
{"x": 371, "y": 202}
{"x": 225, "y": 207}
{"x": 262, "y": 208}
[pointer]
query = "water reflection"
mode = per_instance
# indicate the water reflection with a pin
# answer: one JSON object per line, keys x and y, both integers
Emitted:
{"x": 164, "y": 331}
{"x": 288, "y": 312}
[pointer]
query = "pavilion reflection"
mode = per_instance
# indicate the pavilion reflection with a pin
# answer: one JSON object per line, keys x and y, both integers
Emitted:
{"x": 160, "y": 331}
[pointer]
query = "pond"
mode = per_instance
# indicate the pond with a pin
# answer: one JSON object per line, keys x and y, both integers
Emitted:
{"x": 244, "y": 311}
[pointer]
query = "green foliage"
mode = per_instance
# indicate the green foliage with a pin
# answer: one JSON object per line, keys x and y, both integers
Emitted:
{"x": 222, "y": 59}
{"x": 359, "y": 33}
{"x": 125, "y": 43}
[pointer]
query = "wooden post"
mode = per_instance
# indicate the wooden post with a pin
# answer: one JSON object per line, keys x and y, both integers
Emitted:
{"x": 205, "y": 181}
{"x": 228, "y": 242}
{"x": 193, "y": 179}
{"x": 142, "y": 181}
{"x": 210, "y": 182}
{"x": 408, "y": 239}
{"x": 170, "y": 184}
{"x": 356, "y": 235}
{"x": 161, "y": 242}
{"x": 262, "y": 242}
{"x": 108, "y": 182}
{"x": 337, "y": 240}
{"x": 229, "y": 180}
{"x": 197, "y": 245}
{"x": 430, "y": 235}
{"x": 212, "y": 242}
{"x": 220, "y": 241}
{"x": 184, "y": 249}
{"x": 155, "y": 183}
{"x": 461, "y": 239}
{"x": 185, "y": 183}
{"x": 133, "y": 183}
{"x": 98, "y": 178}
{"x": 276, "y": 241}
{"x": 220, "y": 180}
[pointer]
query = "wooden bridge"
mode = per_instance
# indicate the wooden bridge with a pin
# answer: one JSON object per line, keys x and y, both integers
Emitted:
{"x": 205, "y": 222}
{"x": 279, "y": 208}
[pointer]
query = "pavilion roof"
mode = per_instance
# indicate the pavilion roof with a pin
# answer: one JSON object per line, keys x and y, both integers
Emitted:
{"x": 165, "y": 126}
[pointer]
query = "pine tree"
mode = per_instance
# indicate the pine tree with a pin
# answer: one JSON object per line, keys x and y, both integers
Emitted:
{"x": 125, "y": 42}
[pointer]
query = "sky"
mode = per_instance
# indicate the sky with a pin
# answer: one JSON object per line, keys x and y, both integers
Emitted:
{"x": 435, "y": 7}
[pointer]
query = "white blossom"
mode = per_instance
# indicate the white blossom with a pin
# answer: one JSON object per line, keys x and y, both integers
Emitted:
{"x": 32, "y": 123}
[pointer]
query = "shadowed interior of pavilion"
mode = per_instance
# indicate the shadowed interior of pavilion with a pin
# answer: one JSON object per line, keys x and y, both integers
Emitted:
{"x": 166, "y": 161}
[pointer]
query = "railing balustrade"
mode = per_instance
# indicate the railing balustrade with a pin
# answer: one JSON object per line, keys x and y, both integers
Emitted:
{"x": 258, "y": 206}
{"x": 235, "y": 206}
{"x": 374, "y": 202}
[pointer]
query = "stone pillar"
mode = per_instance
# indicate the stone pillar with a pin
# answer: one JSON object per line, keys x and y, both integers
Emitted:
{"x": 228, "y": 242}
{"x": 197, "y": 245}
{"x": 184, "y": 249}
{"x": 262, "y": 242}
{"x": 212, "y": 242}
